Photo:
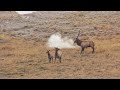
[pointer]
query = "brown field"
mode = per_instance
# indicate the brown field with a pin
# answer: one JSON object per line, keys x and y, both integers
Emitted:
{"x": 23, "y": 47}
{"x": 21, "y": 59}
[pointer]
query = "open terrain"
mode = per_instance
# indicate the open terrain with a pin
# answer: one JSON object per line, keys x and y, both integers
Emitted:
{"x": 23, "y": 45}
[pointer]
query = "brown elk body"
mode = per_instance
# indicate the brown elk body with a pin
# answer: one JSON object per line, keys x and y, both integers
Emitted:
{"x": 84, "y": 44}
{"x": 58, "y": 54}
{"x": 50, "y": 56}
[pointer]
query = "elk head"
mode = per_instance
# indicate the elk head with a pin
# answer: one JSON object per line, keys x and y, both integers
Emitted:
{"x": 76, "y": 39}
{"x": 57, "y": 49}
{"x": 48, "y": 51}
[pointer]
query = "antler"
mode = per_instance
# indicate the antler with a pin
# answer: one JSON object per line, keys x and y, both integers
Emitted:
{"x": 78, "y": 34}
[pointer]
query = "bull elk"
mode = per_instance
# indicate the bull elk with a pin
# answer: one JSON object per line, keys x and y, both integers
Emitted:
{"x": 84, "y": 44}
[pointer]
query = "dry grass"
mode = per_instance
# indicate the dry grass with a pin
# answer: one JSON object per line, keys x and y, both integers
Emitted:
{"x": 28, "y": 59}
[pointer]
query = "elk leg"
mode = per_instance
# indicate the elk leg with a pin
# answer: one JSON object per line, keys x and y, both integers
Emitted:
{"x": 82, "y": 50}
{"x": 93, "y": 50}
{"x": 55, "y": 60}
{"x": 49, "y": 60}
{"x": 60, "y": 59}
{"x": 52, "y": 60}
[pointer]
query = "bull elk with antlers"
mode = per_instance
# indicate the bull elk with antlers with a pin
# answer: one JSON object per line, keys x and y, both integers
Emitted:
{"x": 84, "y": 44}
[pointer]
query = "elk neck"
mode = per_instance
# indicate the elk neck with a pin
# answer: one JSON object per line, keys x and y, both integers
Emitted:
{"x": 56, "y": 52}
{"x": 48, "y": 54}
{"x": 79, "y": 42}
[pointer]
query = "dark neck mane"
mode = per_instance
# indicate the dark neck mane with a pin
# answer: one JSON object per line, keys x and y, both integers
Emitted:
{"x": 48, "y": 54}
{"x": 56, "y": 52}
{"x": 79, "y": 42}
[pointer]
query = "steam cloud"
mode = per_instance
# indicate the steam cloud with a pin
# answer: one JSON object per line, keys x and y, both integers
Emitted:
{"x": 56, "y": 40}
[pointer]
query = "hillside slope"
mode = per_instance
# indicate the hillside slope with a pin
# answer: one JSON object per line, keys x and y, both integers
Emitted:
{"x": 23, "y": 47}
{"x": 42, "y": 24}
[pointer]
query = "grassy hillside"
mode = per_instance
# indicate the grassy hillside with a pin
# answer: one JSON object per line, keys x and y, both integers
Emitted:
{"x": 23, "y": 45}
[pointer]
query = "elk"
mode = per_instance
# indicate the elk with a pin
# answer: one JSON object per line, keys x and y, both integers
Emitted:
{"x": 84, "y": 44}
{"x": 50, "y": 56}
{"x": 58, "y": 54}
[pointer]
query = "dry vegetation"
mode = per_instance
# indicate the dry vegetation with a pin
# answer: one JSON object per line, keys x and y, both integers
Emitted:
{"x": 28, "y": 59}
{"x": 23, "y": 57}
